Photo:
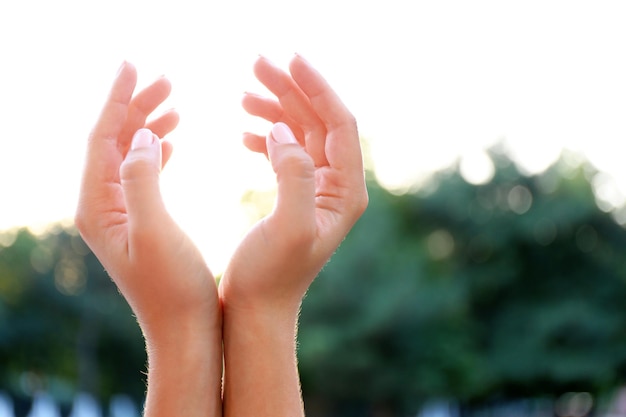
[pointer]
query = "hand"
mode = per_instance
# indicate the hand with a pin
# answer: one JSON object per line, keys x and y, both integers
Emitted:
{"x": 321, "y": 189}
{"x": 321, "y": 193}
{"x": 157, "y": 268}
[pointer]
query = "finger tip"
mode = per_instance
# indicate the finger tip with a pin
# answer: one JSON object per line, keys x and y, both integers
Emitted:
{"x": 259, "y": 64}
{"x": 247, "y": 138}
{"x": 248, "y": 101}
{"x": 262, "y": 64}
{"x": 173, "y": 113}
{"x": 143, "y": 138}
{"x": 254, "y": 143}
{"x": 297, "y": 56}
{"x": 167, "y": 147}
{"x": 125, "y": 66}
{"x": 166, "y": 83}
{"x": 126, "y": 74}
{"x": 173, "y": 119}
{"x": 282, "y": 133}
{"x": 298, "y": 62}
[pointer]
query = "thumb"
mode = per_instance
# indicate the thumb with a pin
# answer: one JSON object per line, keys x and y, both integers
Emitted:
{"x": 139, "y": 175}
{"x": 295, "y": 174}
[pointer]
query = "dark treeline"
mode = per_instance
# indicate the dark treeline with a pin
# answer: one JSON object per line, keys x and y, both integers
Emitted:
{"x": 512, "y": 289}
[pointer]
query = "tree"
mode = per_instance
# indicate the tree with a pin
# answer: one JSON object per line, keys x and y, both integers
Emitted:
{"x": 509, "y": 289}
{"x": 63, "y": 325}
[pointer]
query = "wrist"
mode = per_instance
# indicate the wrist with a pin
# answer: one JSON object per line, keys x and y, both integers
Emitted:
{"x": 260, "y": 373}
{"x": 168, "y": 329}
{"x": 190, "y": 333}
{"x": 267, "y": 305}
{"x": 275, "y": 323}
{"x": 185, "y": 370}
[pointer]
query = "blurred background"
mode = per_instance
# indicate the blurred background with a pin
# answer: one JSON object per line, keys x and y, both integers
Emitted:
{"x": 488, "y": 275}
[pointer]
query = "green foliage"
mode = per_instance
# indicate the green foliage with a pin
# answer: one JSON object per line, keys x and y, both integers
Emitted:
{"x": 63, "y": 325}
{"x": 509, "y": 289}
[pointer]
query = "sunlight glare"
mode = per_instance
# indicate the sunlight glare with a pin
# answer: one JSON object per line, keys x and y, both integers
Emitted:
{"x": 430, "y": 83}
{"x": 477, "y": 168}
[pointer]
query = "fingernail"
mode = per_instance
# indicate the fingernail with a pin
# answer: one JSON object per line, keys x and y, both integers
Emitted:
{"x": 142, "y": 139}
{"x": 282, "y": 134}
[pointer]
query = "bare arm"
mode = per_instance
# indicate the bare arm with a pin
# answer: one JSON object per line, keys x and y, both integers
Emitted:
{"x": 157, "y": 268}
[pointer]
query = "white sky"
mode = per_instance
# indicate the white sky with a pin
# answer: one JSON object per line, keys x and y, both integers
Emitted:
{"x": 427, "y": 80}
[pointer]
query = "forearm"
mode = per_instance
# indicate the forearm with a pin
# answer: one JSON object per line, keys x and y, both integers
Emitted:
{"x": 260, "y": 367}
{"x": 185, "y": 371}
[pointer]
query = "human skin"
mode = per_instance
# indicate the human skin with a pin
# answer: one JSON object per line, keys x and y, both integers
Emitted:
{"x": 121, "y": 216}
{"x": 321, "y": 194}
{"x": 162, "y": 275}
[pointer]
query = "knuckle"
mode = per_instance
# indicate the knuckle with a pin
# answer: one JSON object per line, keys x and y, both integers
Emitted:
{"x": 83, "y": 222}
{"x": 360, "y": 201}
{"x": 137, "y": 168}
{"x": 79, "y": 221}
{"x": 297, "y": 164}
{"x": 363, "y": 202}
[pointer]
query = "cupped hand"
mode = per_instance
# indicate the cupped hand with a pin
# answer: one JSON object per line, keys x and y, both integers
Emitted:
{"x": 122, "y": 217}
{"x": 315, "y": 152}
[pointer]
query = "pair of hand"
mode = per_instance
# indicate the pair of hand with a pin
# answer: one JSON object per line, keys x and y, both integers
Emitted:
{"x": 315, "y": 152}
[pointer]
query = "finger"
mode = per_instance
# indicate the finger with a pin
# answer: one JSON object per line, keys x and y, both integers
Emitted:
{"x": 296, "y": 105}
{"x": 271, "y": 111}
{"x": 98, "y": 192}
{"x": 103, "y": 158}
{"x": 139, "y": 175}
{"x": 164, "y": 124}
{"x": 255, "y": 143}
{"x": 263, "y": 107}
{"x": 343, "y": 148}
{"x": 166, "y": 152}
{"x": 140, "y": 107}
{"x": 323, "y": 99}
{"x": 291, "y": 98}
{"x": 113, "y": 114}
{"x": 295, "y": 174}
